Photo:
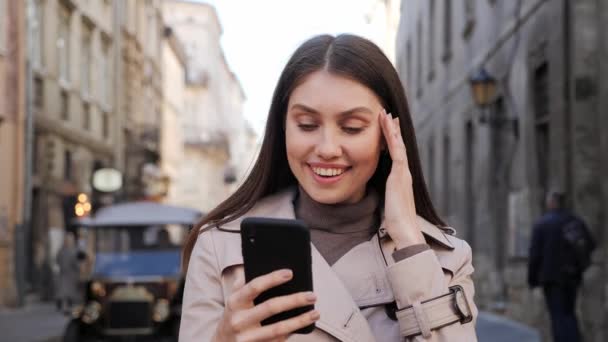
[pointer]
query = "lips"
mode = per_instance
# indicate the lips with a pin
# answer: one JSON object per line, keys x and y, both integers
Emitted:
{"x": 326, "y": 174}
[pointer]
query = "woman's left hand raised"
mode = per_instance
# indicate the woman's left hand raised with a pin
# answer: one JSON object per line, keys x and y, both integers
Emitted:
{"x": 399, "y": 206}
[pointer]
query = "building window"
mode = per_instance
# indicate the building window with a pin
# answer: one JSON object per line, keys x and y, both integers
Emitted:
{"x": 469, "y": 18}
{"x": 104, "y": 68}
{"x": 447, "y": 159}
{"x": 431, "y": 40}
{"x": 105, "y": 125}
{"x": 37, "y": 34}
{"x": 67, "y": 165}
{"x": 419, "y": 59}
{"x": 63, "y": 43}
{"x": 542, "y": 128}
{"x": 64, "y": 105}
{"x": 85, "y": 60}
{"x": 38, "y": 96}
{"x": 151, "y": 32}
{"x": 35, "y": 156}
{"x": 86, "y": 115}
{"x": 541, "y": 92}
{"x": 469, "y": 200}
{"x": 447, "y": 30}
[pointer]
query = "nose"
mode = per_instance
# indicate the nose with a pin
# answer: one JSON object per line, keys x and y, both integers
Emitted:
{"x": 328, "y": 146}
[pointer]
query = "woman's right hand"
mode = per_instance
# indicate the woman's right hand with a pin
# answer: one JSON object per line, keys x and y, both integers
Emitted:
{"x": 241, "y": 319}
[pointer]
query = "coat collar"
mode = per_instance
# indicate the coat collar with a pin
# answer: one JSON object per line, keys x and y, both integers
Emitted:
{"x": 430, "y": 231}
{"x": 280, "y": 205}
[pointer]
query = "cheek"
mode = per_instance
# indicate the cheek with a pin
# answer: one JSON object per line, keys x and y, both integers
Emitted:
{"x": 297, "y": 145}
{"x": 366, "y": 149}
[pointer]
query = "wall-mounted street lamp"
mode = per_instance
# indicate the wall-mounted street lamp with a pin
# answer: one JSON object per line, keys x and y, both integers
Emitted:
{"x": 483, "y": 86}
{"x": 484, "y": 89}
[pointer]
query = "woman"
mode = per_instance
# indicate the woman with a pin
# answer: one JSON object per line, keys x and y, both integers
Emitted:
{"x": 385, "y": 267}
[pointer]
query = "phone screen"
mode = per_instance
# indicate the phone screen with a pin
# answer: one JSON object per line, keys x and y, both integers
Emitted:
{"x": 272, "y": 244}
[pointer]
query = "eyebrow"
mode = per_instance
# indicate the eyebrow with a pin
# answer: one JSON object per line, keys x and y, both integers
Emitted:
{"x": 344, "y": 113}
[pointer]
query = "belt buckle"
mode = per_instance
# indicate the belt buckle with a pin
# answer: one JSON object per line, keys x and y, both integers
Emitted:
{"x": 465, "y": 316}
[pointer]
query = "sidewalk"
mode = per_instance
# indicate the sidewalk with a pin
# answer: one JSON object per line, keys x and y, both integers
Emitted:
{"x": 35, "y": 322}
{"x": 494, "y": 328}
{"x": 40, "y": 322}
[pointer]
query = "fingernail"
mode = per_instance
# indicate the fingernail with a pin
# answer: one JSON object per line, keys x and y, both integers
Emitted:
{"x": 311, "y": 297}
{"x": 286, "y": 274}
{"x": 315, "y": 315}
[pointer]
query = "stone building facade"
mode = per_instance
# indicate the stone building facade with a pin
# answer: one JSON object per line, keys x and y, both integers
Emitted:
{"x": 96, "y": 100}
{"x": 217, "y": 141}
{"x": 383, "y": 18}
{"x": 174, "y": 90}
{"x": 140, "y": 95}
{"x": 73, "y": 105}
{"x": 12, "y": 145}
{"x": 488, "y": 169}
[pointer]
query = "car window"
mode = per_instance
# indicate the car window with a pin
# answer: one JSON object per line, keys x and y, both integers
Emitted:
{"x": 143, "y": 238}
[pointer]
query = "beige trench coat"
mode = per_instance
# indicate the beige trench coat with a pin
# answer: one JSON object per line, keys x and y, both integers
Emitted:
{"x": 350, "y": 294}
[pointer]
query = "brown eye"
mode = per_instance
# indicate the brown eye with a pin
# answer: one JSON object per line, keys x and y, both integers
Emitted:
{"x": 307, "y": 127}
{"x": 352, "y": 130}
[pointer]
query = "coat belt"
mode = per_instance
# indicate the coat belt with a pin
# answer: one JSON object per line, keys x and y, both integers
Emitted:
{"x": 435, "y": 313}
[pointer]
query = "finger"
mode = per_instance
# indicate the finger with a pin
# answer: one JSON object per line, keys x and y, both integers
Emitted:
{"x": 394, "y": 140}
{"x": 239, "y": 282}
{"x": 383, "y": 117}
{"x": 272, "y": 307}
{"x": 283, "y": 328}
{"x": 245, "y": 296}
{"x": 400, "y": 141}
{"x": 397, "y": 126}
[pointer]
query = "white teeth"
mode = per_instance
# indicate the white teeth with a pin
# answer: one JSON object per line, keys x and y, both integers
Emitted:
{"x": 327, "y": 172}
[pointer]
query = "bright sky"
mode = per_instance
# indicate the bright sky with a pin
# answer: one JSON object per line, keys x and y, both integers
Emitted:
{"x": 260, "y": 36}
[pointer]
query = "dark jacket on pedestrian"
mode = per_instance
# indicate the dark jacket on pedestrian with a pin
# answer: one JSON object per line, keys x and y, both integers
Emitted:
{"x": 549, "y": 255}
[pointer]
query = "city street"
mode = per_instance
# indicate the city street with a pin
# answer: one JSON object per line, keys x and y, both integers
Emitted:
{"x": 40, "y": 322}
{"x": 129, "y": 126}
{"x": 36, "y": 322}
{"x": 494, "y": 328}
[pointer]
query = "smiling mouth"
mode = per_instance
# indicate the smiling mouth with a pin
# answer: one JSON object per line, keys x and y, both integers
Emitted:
{"x": 328, "y": 172}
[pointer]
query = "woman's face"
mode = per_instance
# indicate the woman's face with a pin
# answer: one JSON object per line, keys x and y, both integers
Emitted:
{"x": 333, "y": 137}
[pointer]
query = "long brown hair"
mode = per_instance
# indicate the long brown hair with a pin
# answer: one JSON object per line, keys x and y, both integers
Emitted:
{"x": 345, "y": 55}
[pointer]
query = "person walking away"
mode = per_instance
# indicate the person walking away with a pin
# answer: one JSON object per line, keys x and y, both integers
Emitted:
{"x": 560, "y": 252}
{"x": 69, "y": 272}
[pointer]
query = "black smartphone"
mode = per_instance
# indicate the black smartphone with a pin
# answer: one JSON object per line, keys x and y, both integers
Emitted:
{"x": 270, "y": 244}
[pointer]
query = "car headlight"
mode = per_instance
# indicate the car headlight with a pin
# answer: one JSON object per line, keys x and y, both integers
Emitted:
{"x": 91, "y": 312}
{"x": 98, "y": 289}
{"x": 161, "y": 310}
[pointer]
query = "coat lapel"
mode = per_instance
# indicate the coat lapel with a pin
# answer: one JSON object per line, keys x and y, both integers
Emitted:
{"x": 340, "y": 315}
{"x": 363, "y": 272}
{"x": 440, "y": 242}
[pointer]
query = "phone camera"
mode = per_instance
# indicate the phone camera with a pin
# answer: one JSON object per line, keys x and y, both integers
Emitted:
{"x": 252, "y": 239}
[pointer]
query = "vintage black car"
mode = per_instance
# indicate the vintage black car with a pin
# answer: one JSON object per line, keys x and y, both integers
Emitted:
{"x": 136, "y": 285}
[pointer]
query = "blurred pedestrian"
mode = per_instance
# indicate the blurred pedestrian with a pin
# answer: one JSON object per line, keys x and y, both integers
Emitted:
{"x": 560, "y": 252}
{"x": 68, "y": 261}
{"x": 339, "y": 154}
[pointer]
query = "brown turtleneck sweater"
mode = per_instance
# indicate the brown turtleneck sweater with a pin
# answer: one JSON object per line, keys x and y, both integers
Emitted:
{"x": 336, "y": 228}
